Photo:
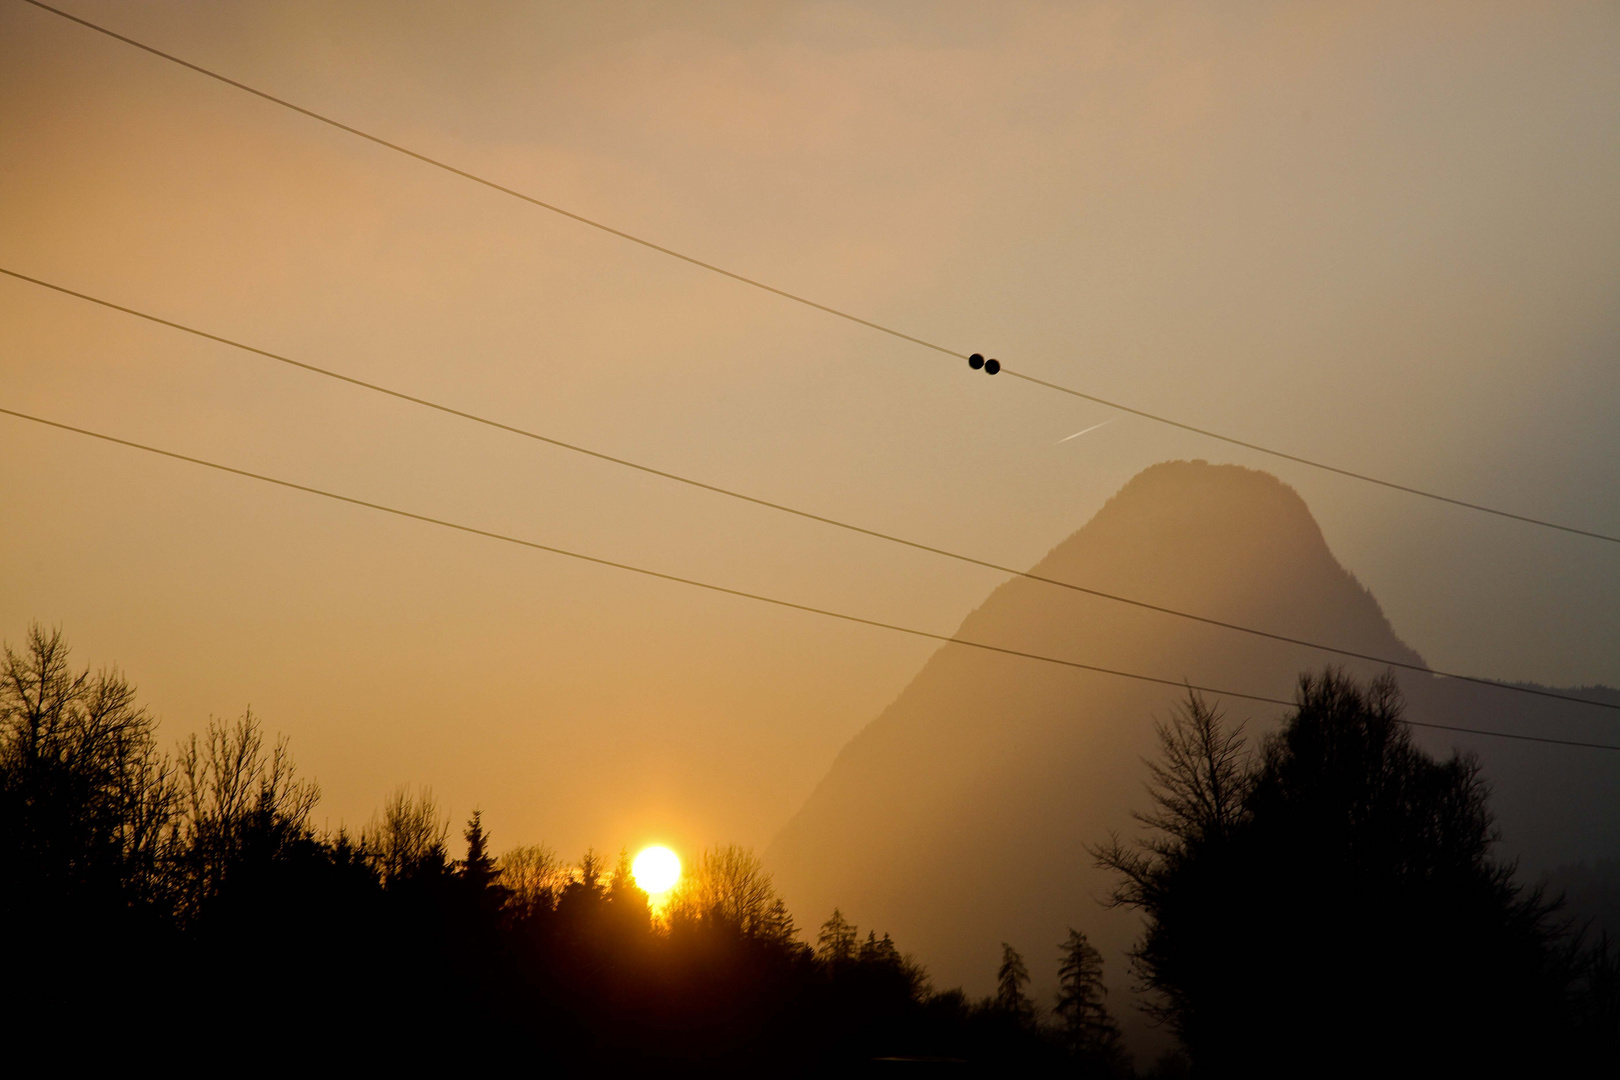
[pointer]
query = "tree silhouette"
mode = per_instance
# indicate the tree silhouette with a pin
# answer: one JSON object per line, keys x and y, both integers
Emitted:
{"x": 622, "y": 887}
{"x": 1082, "y": 1003}
{"x": 1325, "y": 906}
{"x": 626, "y": 900}
{"x": 243, "y": 808}
{"x": 1011, "y": 979}
{"x": 1340, "y": 886}
{"x": 407, "y": 838}
{"x": 1596, "y": 1001}
{"x": 836, "y": 941}
{"x": 583, "y": 897}
{"x": 729, "y": 885}
{"x": 87, "y": 802}
{"x": 478, "y": 868}
{"x": 532, "y": 877}
{"x": 134, "y": 880}
{"x": 1198, "y": 789}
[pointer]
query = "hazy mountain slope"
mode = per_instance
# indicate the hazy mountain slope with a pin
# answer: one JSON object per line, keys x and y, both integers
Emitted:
{"x": 1556, "y": 805}
{"x": 959, "y": 818}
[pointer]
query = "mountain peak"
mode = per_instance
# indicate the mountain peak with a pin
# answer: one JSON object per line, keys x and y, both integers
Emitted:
{"x": 959, "y": 818}
{"x": 1205, "y": 533}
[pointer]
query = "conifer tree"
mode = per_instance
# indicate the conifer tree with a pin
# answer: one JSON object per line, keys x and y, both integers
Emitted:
{"x": 836, "y": 942}
{"x": 1082, "y": 999}
{"x": 478, "y": 869}
{"x": 1011, "y": 978}
{"x": 622, "y": 882}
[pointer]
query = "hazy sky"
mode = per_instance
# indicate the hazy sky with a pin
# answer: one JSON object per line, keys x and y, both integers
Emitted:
{"x": 1385, "y": 235}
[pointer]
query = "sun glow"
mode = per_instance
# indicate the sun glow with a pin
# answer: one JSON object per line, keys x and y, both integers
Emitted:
{"x": 656, "y": 870}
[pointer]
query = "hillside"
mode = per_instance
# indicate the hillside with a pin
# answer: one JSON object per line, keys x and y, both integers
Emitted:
{"x": 959, "y": 818}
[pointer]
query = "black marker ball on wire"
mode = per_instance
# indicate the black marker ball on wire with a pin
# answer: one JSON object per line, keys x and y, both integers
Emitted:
{"x": 976, "y": 361}
{"x": 992, "y": 366}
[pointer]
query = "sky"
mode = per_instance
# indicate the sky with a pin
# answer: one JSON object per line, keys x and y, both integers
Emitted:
{"x": 1381, "y": 235}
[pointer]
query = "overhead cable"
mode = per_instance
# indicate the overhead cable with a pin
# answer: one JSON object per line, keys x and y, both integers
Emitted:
{"x": 806, "y": 301}
{"x": 783, "y": 508}
{"x": 711, "y": 587}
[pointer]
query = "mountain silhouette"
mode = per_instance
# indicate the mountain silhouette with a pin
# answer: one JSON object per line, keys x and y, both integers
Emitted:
{"x": 960, "y": 817}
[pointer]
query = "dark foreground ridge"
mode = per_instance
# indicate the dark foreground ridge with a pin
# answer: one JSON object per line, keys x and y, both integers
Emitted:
{"x": 1324, "y": 904}
{"x": 147, "y": 893}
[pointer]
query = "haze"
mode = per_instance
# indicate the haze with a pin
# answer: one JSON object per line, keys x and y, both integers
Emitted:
{"x": 1369, "y": 234}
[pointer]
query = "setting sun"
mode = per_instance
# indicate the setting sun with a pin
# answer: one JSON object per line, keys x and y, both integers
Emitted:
{"x": 656, "y": 870}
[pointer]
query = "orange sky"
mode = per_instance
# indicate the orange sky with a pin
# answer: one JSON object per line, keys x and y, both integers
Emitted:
{"x": 1373, "y": 235}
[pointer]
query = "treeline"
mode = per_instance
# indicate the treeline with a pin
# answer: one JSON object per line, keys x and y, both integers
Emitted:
{"x": 1321, "y": 903}
{"x": 185, "y": 903}
{"x": 1326, "y": 904}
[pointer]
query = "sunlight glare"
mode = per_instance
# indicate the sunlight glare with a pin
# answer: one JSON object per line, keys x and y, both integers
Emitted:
{"x": 656, "y": 870}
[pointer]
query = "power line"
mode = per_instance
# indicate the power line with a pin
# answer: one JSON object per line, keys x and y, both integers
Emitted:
{"x": 947, "y": 638}
{"x": 492, "y": 185}
{"x": 1307, "y": 461}
{"x": 806, "y": 301}
{"x": 862, "y": 530}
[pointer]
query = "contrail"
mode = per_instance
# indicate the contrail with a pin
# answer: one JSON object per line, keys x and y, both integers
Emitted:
{"x": 1077, "y": 434}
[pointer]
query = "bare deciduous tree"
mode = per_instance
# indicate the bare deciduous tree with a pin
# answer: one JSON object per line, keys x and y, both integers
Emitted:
{"x": 729, "y": 885}
{"x": 240, "y": 803}
{"x": 89, "y": 801}
{"x": 532, "y": 876}
{"x": 407, "y": 838}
